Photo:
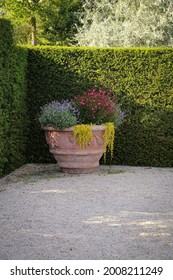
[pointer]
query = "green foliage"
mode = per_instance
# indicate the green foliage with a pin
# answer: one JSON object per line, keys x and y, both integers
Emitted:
{"x": 60, "y": 27}
{"x": 13, "y": 114}
{"x": 6, "y": 46}
{"x": 27, "y": 16}
{"x": 141, "y": 78}
{"x": 49, "y": 21}
{"x": 150, "y": 139}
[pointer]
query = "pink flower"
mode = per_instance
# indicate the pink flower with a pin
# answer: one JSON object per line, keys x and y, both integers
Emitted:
{"x": 97, "y": 104}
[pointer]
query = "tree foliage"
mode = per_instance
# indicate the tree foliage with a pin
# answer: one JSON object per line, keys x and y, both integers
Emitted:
{"x": 42, "y": 21}
{"x": 25, "y": 14}
{"x": 126, "y": 23}
{"x": 60, "y": 29}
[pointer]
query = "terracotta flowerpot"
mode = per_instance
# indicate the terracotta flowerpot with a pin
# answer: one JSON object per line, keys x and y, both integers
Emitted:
{"x": 70, "y": 157}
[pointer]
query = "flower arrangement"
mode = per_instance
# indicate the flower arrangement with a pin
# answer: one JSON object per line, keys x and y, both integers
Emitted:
{"x": 98, "y": 106}
{"x": 93, "y": 107}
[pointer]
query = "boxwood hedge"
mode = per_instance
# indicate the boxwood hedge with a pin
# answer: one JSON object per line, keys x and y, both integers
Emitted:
{"x": 13, "y": 109}
{"x": 142, "y": 79}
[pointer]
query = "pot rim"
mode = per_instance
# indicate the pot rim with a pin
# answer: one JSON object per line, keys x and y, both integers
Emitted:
{"x": 94, "y": 127}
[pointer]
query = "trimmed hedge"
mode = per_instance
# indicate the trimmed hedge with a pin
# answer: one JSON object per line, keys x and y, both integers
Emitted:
{"x": 142, "y": 79}
{"x": 13, "y": 110}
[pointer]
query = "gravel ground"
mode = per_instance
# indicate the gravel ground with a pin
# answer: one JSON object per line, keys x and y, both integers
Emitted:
{"x": 118, "y": 212}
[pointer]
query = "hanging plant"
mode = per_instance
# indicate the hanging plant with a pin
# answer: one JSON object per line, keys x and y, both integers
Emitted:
{"x": 83, "y": 134}
{"x": 109, "y": 137}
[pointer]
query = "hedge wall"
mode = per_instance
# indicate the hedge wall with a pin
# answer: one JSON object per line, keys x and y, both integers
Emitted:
{"x": 142, "y": 79}
{"x": 13, "y": 111}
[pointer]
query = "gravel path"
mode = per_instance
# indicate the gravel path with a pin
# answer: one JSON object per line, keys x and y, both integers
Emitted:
{"x": 118, "y": 212}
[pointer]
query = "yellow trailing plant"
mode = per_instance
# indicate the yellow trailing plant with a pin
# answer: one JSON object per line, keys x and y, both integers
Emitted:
{"x": 83, "y": 134}
{"x": 108, "y": 138}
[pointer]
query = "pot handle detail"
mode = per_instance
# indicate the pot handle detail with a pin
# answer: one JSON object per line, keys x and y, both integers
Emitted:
{"x": 52, "y": 138}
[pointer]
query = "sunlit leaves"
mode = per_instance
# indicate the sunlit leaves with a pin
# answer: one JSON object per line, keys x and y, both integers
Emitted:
{"x": 126, "y": 23}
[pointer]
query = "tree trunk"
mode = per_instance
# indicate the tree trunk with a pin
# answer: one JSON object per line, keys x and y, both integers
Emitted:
{"x": 34, "y": 29}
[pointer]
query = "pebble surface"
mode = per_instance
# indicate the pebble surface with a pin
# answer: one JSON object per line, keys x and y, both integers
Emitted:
{"x": 118, "y": 212}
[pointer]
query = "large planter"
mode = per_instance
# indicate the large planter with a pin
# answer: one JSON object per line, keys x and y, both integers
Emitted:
{"x": 70, "y": 156}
